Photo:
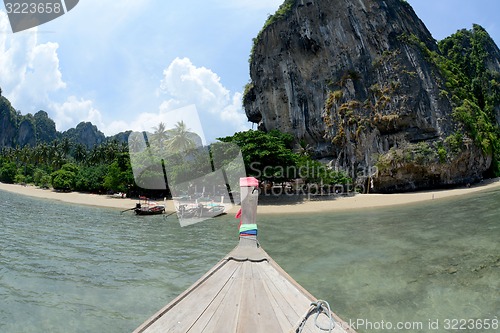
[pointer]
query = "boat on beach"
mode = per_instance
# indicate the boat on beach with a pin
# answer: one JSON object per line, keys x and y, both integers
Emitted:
{"x": 247, "y": 291}
{"x": 147, "y": 207}
{"x": 200, "y": 210}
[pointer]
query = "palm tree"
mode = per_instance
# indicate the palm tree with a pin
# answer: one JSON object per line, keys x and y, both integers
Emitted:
{"x": 304, "y": 149}
{"x": 58, "y": 159}
{"x": 37, "y": 155}
{"x": 65, "y": 147}
{"x": 181, "y": 138}
{"x": 98, "y": 155}
{"x": 160, "y": 134}
{"x": 135, "y": 142}
{"x": 25, "y": 156}
{"x": 54, "y": 149}
{"x": 111, "y": 149}
{"x": 80, "y": 153}
{"x": 44, "y": 154}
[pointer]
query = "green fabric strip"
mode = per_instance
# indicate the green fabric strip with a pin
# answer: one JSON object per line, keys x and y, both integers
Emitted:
{"x": 248, "y": 227}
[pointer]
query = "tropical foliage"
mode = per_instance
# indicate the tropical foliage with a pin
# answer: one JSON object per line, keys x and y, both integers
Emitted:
{"x": 271, "y": 156}
{"x": 284, "y": 9}
{"x": 67, "y": 166}
{"x": 177, "y": 152}
{"x": 473, "y": 87}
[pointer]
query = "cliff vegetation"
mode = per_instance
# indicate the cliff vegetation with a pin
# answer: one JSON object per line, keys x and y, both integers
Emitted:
{"x": 366, "y": 85}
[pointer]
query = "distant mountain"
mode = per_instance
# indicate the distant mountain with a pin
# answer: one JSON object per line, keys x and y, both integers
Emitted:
{"x": 45, "y": 127}
{"x": 85, "y": 134}
{"x": 120, "y": 137}
{"x": 28, "y": 130}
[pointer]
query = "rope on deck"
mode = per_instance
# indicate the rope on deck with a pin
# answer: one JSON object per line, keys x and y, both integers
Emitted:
{"x": 318, "y": 307}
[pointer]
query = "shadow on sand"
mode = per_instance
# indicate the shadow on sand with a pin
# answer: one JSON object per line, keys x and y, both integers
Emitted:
{"x": 297, "y": 199}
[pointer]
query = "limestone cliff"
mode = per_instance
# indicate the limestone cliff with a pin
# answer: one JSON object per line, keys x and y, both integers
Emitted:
{"x": 85, "y": 133}
{"x": 358, "y": 80}
{"x": 17, "y": 130}
{"x": 24, "y": 130}
{"x": 8, "y": 125}
{"x": 45, "y": 127}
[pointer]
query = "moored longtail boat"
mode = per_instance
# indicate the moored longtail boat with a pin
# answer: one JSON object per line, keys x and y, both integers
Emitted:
{"x": 247, "y": 291}
{"x": 147, "y": 207}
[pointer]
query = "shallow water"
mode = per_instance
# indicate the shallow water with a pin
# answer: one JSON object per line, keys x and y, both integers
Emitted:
{"x": 417, "y": 264}
{"x": 67, "y": 268}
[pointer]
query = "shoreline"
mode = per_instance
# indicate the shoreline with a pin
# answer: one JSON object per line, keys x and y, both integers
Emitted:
{"x": 78, "y": 198}
{"x": 274, "y": 205}
{"x": 369, "y": 201}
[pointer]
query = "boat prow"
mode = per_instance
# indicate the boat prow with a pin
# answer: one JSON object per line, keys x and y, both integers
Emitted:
{"x": 247, "y": 291}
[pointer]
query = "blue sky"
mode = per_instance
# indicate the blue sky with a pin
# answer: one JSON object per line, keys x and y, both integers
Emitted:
{"x": 127, "y": 64}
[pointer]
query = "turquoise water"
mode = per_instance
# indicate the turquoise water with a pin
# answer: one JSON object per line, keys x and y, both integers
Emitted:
{"x": 67, "y": 268}
{"x": 417, "y": 264}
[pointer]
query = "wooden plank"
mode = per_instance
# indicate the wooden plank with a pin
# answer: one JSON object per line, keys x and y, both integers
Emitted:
{"x": 196, "y": 304}
{"x": 286, "y": 294}
{"x": 247, "y": 320}
{"x": 219, "y": 306}
{"x": 226, "y": 319}
{"x": 284, "y": 319}
{"x": 292, "y": 304}
{"x": 267, "y": 313}
{"x": 293, "y": 301}
{"x": 191, "y": 304}
{"x": 340, "y": 327}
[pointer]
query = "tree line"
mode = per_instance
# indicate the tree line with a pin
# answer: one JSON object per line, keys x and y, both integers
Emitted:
{"x": 66, "y": 166}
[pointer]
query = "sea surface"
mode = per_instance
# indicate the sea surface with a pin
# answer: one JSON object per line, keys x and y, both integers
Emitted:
{"x": 69, "y": 268}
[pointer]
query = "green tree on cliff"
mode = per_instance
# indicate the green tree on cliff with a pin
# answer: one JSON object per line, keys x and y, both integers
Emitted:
{"x": 266, "y": 155}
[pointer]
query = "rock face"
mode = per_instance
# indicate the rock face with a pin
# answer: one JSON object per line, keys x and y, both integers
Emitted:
{"x": 86, "y": 134}
{"x": 26, "y": 132}
{"x": 8, "y": 126}
{"x": 18, "y": 130}
{"x": 351, "y": 78}
{"x": 45, "y": 127}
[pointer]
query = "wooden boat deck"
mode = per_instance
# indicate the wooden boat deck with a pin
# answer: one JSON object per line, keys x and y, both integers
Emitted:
{"x": 245, "y": 292}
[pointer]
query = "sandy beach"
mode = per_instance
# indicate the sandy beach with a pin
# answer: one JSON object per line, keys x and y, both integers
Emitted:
{"x": 363, "y": 201}
{"x": 268, "y": 205}
{"x": 78, "y": 198}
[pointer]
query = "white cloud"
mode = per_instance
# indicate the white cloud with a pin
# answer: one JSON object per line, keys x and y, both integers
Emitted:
{"x": 42, "y": 74}
{"x": 184, "y": 83}
{"x": 74, "y": 111}
{"x": 196, "y": 96}
{"x": 233, "y": 113}
{"x": 29, "y": 71}
{"x": 188, "y": 114}
{"x": 147, "y": 121}
{"x": 32, "y": 79}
